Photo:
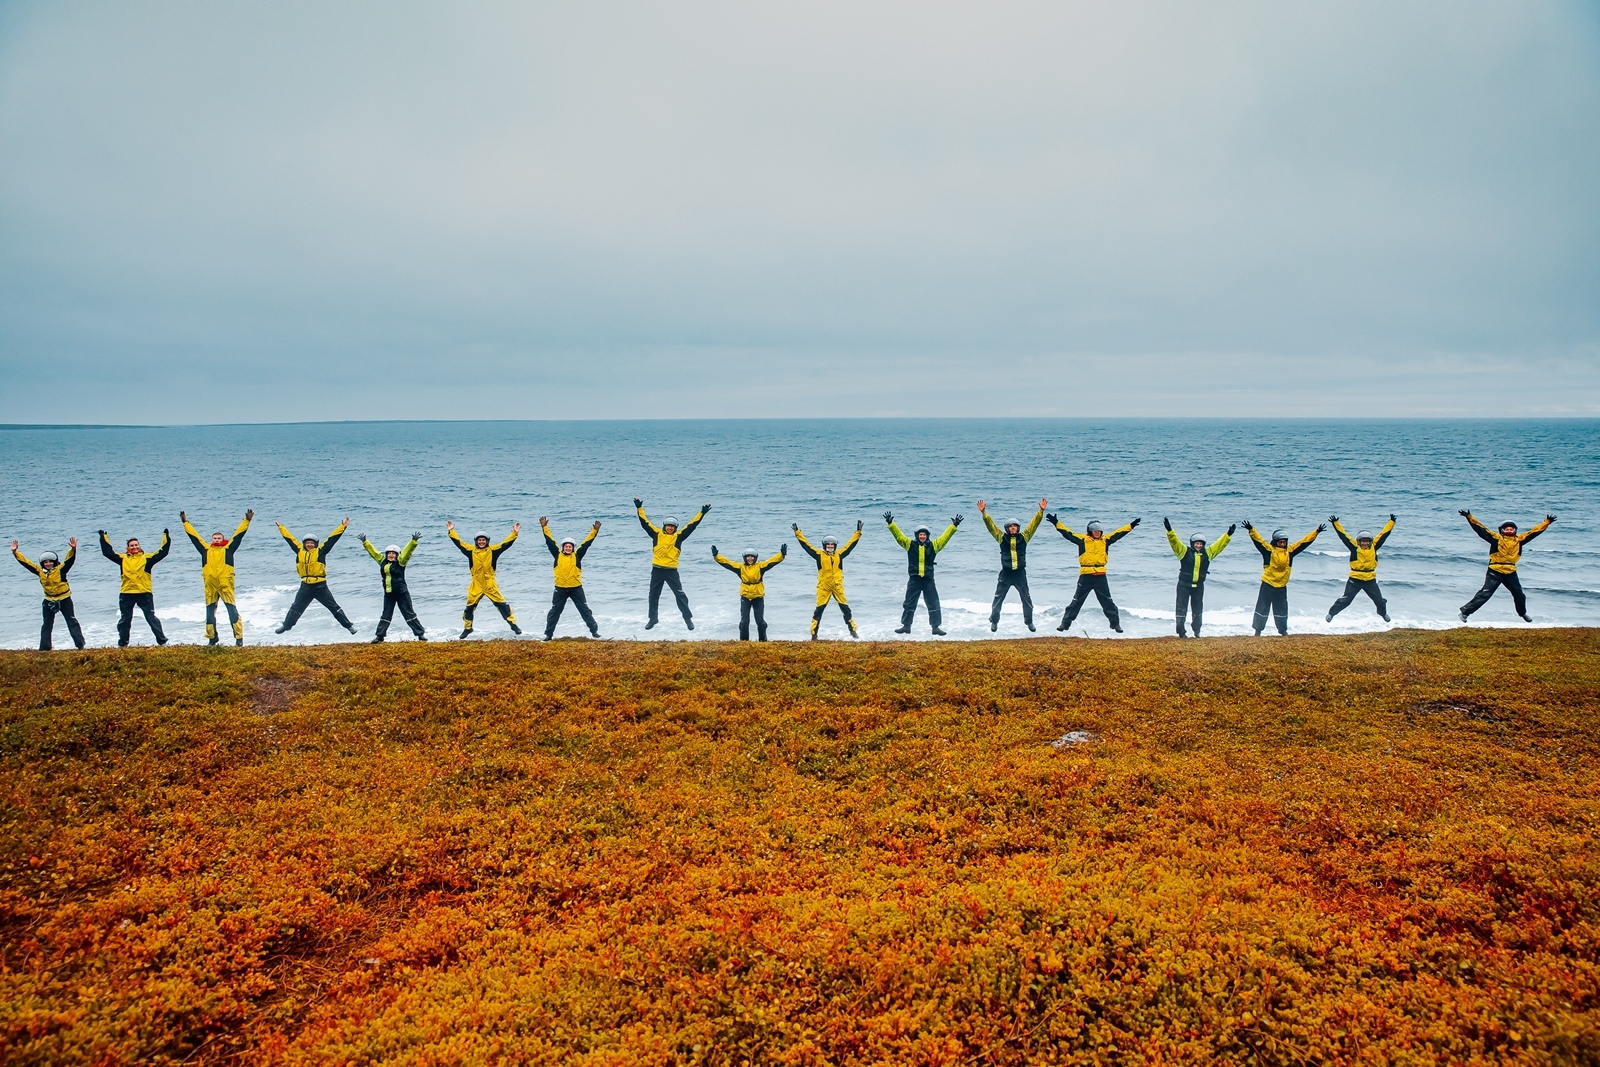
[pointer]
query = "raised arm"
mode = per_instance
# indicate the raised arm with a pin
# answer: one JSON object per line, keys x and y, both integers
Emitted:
{"x": 496, "y": 551}
{"x": 550, "y": 542}
{"x": 238, "y": 535}
{"x": 849, "y": 546}
{"x": 988, "y": 524}
{"x": 283, "y": 531}
{"x": 1339, "y": 529}
{"x": 1478, "y": 528}
{"x": 1537, "y": 530}
{"x": 1219, "y": 544}
{"x": 161, "y": 553}
{"x": 1069, "y": 535}
{"x": 372, "y": 550}
{"x": 194, "y": 535}
{"x": 583, "y": 547}
{"x": 805, "y": 546}
{"x": 24, "y": 560}
{"x": 944, "y": 538}
{"x": 1033, "y": 527}
{"x": 107, "y": 551}
{"x": 724, "y": 560}
{"x": 767, "y": 565}
{"x": 1383, "y": 534}
{"x": 1304, "y": 542}
{"x": 1122, "y": 531}
{"x": 894, "y": 531}
{"x": 688, "y": 528}
{"x": 649, "y": 528}
{"x": 333, "y": 539}
{"x": 1260, "y": 543}
{"x": 405, "y": 553}
{"x": 1178, "y": 547}
{"x": 466, "y": 550}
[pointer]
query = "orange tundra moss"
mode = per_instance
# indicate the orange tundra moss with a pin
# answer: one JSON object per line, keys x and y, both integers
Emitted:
{"x": 1373, "y": 849}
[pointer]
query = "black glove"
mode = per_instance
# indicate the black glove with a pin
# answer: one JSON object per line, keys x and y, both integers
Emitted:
{"x": 1231, "y": 527}
{"x": 166, "y": 532}
{"x": 714, "y": 552}
{"x": 858, "y": 526}
{"x": 888, "y": 516}
{"x": 1134, "y": 523}
{"x": 1166, "y": 522}
{"x": 638, "y": 503}
{"x": 102, "y": 533}
{"x": 795, "y": 526}
{"x": 1247, "y": 525}
{"x": 1333, "y": 518}
{"x": 784, "y": 551}
{"x": 1051, "y": 518}
{"x": 1391, "y": 516}
{"x": 704, "y": 508}
{"x": 1321, "y": 526}
{"x": 955, "y": 520}
{"x": 361, "y": 537}
{"x": 1549, "y": 518}
{"x": 1464, "y": 513}
{"x": 416, "y": 535}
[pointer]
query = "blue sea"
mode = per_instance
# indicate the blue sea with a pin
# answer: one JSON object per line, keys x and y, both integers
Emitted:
{"x": 759, "y": 476}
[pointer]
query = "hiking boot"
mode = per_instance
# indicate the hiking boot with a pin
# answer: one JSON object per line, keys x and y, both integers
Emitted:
{"x": 902, "y": 629}
{"x": 938, "y": 632}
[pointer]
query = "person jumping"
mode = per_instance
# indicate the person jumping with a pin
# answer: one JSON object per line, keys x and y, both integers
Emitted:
{"x": 137, "y": 589}
{"x": 1363, "y": 568}
{"x": 830, "y": 576}
{"x": 666, "y": 542}
{"x": 1093, "y": 550}
{"x": 216, "y": 573}
{"x": 568, "y": 557}
{"x": 392, "y": 563}
{"x": 922, "y": 549}
{"x": 52, "y": 575}
{"x": 1277, "y": 558}
{"x": 1194, "y": 564}
{"x": 484, "y": 557}
{"x": 311, "y": 564}
{"x": 1013, "y": 563}
{"x": 1505, "y": 549}
{"x": 752, "y": 588}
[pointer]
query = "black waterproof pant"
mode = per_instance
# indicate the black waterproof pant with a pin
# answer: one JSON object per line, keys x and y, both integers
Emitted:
{"x": 398, "y": 598}
{"x": 233, "y": 620}
{"x": 558, "y": 604}
{"x": 816, "y": 615}
{"x": 146, "y": 603}
{"x": 1354, "y": 586}
{"x": 62, "y": 607}
{"x": 1010, "y": 580}
{"x": 660, "y": 576}
{"x": 1492, "y": 581}
{"x": 1191, "y": 598}
{"x": 1101, "y": 587}
{"x": 925, "y": 589}
{"x": 1276, "y": 598}
{"x": 756, "y": 606}
{"x": 319, "y": 592}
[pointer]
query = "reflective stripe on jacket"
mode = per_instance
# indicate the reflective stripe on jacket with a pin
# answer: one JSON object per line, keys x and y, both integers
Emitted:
{"x": 1196, "y": 565}
{"x": 921, "y": 555}
{"x": 1014, "y": 547}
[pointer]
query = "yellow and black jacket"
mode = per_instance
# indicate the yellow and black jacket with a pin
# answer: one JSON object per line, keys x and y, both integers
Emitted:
{"x": 1093, "y": 551}
{"x": 216, "y": 563}
{"x": 394, "y": 574}
{"x": 54, "y": 580}
{"x": 1504, "y": 552}
{"x": 1194, "y": 566}
{"x": 312, "y": 566}
{"x": 483, "y": 560}
{"x": 830, "y": 565}
{"x": 568, "y": 569}
{"x": 136, "y": 569}
{"x": 1364, "y": 561}
{"x": 921, "y": 555}
{"x": 1014, "y": 547}
{"x": 751, "y": 585}
{"x": 667, "y": 545}
{"x": 1277, "y": 562}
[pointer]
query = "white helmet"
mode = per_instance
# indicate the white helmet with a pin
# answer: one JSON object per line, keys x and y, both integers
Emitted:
{"x": 834, "y": 541}
{"x": 670, "y": 520}
{"x": 1364, "y": 535}
{"x": 1095, "y": 527}
{"x": 1010, "y": 523}
{"x": 749, "y": 552}
{"x": 568, "y": 541}
{"x": 51, "y": 556}
{"x": 392, "y": 548}
{"x": 481, "y": 533}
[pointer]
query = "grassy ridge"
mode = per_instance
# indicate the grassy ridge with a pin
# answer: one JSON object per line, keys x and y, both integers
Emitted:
{"x": 1366, "y": 849}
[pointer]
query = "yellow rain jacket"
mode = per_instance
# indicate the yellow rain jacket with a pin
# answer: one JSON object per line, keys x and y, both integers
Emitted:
{"x": 667, "y": 545}
{"x": 136, "y": 569}
{"x": 751, "y": 585}
{"x": 1364, "y": 561}
{"x": 312, "y": 567}
{"x": 1504, "y": 552}
{"x": 1277, "y": 562}
{"x": 216, "y": 567}
{"x": 830, "y": 567}
{"x": 569, "y": 569}
{"x": 483, "y": 560}
{"x": 1094, "y": 551}
{"x": 54, "y": 580}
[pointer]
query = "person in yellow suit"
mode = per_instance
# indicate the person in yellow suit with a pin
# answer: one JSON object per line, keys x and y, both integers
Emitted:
{"x": 311, "y": 564}
{"x": 752, "y": 587}
{"x": 1093, "y": 551}
{"x": 665, "y": 543}
{"x": 137, "y": 589}
{"x": 830, "y": 576}
{"x": 484, "y": 557}
{"x": 1363, "y": 567}
{"x": 568, "y": 557}
{"x": 1277, "y": 559}
{"x": 216, "y": 573}
{"x": 1505, "y": 549}
{"x": 52, "y": 575}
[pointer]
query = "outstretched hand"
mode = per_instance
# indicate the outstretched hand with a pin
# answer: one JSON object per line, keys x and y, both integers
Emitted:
{"x": 1051, "y": 519}
{"x": 1231, "y": 527}
{"x": 1391, "y": 516}
{"x": 1166, "y": 522}
{"x": 955, "y": 520}
{"x": 1549, "y": 518}
{"x": 544, "y": 520}
{"x": 1321, "y": 526}
{"x": 704, "y": 508}
{"x": 183, "y": 516}
{"x": 714, "y": 552}
{"x": 597, "y": 526}
{"x": 795, "y": 526}
{"x": 888, "y": 516}
{"x": 1043, "y": 503}
{"x": 981, "y": 507}
{"x": 362, "y": 538}
{"x": 638, "y": 503}
{"x": 1333, "y": 518}
{"x": 858, "y": 526}
{"x": 783, "y": 550}
{"x": 1464, "y": 513}
{"x": 102, "y": 533}
{"x": 249, "y": 513}
{"x": 416, "y": 535}
{"x": 72, "y": 542}
{"x": 1246, "y": 524}
{"x": 516, "y": 527}
{"x": 14, "y": 546}
{"x": 1134, "y": 523}
{"x": 448, "y": 525}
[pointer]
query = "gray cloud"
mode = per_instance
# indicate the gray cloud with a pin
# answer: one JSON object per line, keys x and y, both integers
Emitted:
{"x": 281, "y": 211}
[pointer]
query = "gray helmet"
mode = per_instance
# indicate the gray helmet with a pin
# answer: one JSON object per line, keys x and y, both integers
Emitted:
{"x": 834, "y": 541}
{"x": 670, "y": 520}
{"x": 1095, "y": 527}
{"x": 51, "y": 556}
{"x": 1364, "y": 535}
{"x": 392, "y": 548}
{"x": 749, "y": 552}
{"x": 922, "y": 529}
{"x": 1279, "y": 535}
{"x": 481, "y": 533}
{"x": 1010, "y": 523}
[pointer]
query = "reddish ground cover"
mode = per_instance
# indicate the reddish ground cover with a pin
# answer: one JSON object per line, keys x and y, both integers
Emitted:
{"x": 1376, "y": 849}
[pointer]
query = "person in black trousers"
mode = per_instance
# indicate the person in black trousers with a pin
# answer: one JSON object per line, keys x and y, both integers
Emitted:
{"x": 392, "y": 565}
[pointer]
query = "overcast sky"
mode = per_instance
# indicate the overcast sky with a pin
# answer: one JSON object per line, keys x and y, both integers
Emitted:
{"x": 278, "y": 211}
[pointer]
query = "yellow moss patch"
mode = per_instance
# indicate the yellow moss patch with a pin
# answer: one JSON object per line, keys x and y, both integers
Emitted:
{"x": 1351, "y": 850}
